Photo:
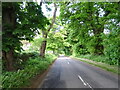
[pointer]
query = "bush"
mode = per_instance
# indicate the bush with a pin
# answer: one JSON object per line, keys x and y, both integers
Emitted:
{"x": 22, "y": 58}
{"x": 22, "y": 77}
{"x": 112, "y": 49}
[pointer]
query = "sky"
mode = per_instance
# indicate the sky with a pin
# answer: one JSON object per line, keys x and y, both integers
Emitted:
{"x": 50, "y": 13}
{"x": 46, "y": 12}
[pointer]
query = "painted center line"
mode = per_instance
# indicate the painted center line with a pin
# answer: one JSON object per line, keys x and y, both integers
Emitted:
{"x": 82, "y": 80}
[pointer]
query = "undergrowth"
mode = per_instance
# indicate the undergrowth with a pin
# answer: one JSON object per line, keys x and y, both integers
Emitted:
{"x": 32, "y": 67}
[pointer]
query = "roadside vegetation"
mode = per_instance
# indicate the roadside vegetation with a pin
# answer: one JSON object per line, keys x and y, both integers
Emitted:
{"x": 99, "y": 62}
{"x": 101, "y": 58}
{"x": 92, "y": 31}
{"x": 22, "y": 57}
{"x": 31, "y": 39}
{"x": 27, "y": 70}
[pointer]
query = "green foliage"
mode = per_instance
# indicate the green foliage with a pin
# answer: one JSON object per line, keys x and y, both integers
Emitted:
{"x": 22, "y": 77}
{"x": 55, "y": 41}
{"x": 35, "y": 44}
{"x": 86, "y": 23}
{"x": 111, "y": 43}
{"x": 94, "y": 58}
{"x": 21, "y": 21}
{"x": 83, "y": 33}
{"x": 28, "y": 19}
{"x": 22, "y": 58}
{"x": 103, "y": 59}
{"x": 79, "y": 49}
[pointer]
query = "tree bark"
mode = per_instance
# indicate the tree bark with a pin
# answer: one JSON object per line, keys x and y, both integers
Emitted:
{"x": 43, "y": 45}
{"x": 8, "y": 19}
{"x": 45, "y": 34}
{"x": 8, "y": 57}
{"x": 99, "y": 48}
{"x": 42, "y": 49}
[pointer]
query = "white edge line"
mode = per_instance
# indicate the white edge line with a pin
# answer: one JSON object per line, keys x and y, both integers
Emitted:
{"x": 82, "y": 80}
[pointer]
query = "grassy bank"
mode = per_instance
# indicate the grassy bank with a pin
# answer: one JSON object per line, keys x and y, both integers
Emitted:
{"x": 99, "y": 58}
{"x": 99, "y": 62}
{"x": 32, "y": 67}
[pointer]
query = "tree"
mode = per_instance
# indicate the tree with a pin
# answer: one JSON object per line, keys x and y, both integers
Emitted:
{"x": 45, "y": 33}
{"x": 86, "y": 23}
{"x": 111, "y": 41}
{"x": 20, "y": 22}
{"x": 9, "y": 22}
{"x": 56, "y": 40}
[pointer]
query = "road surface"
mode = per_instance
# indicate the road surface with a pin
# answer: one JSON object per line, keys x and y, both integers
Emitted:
{"x": 69, "y": 73}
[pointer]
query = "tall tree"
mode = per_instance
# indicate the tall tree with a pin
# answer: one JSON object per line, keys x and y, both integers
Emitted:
{"x": 20, "y": 21}
{"x": 87, "y": 22}
{"x": 9, "y": 19}
{"x": 45, "y": 33}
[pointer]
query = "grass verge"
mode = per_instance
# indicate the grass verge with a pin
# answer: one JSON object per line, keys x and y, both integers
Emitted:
{"x": 107, "y": 67}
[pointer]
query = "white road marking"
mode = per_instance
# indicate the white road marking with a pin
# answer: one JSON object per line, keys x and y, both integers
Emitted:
{"x": 89, "y": 86}
{"x": 82, "y": 80}
{"x": 68, "y": 63}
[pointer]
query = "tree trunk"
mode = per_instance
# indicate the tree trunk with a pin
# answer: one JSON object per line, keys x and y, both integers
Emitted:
{"x": 45, "y": 34}
{"x": 9, "y": 18}
{"x": 54, "y": 51}
{"x": 43, "y": 45}
{"x": 42, "y": 49}
{"x": 8, "y": 57}
{"x": 98, "y": 48}
{"x": 97, "y": 32}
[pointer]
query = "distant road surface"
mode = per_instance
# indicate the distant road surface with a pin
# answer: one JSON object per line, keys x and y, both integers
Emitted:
{"x": 69, "y": 73}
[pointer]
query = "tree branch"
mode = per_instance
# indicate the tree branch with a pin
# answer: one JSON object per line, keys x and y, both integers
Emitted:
{"x": 41, "y": 3}
{"x": 54, "y": 17}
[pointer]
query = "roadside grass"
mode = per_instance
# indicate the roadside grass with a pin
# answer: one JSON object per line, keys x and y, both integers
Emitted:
{"x": 21, "y": 78}
{"x": 98, "y": 63}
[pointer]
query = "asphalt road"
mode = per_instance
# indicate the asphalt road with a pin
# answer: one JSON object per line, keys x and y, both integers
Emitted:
{"x": 68, "y": 73}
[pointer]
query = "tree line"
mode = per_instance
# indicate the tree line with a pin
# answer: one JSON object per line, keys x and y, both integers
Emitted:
{"x": 92, "y": 28}
{"x": 84, "y": 26}
{"x": 22, "y": 21}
